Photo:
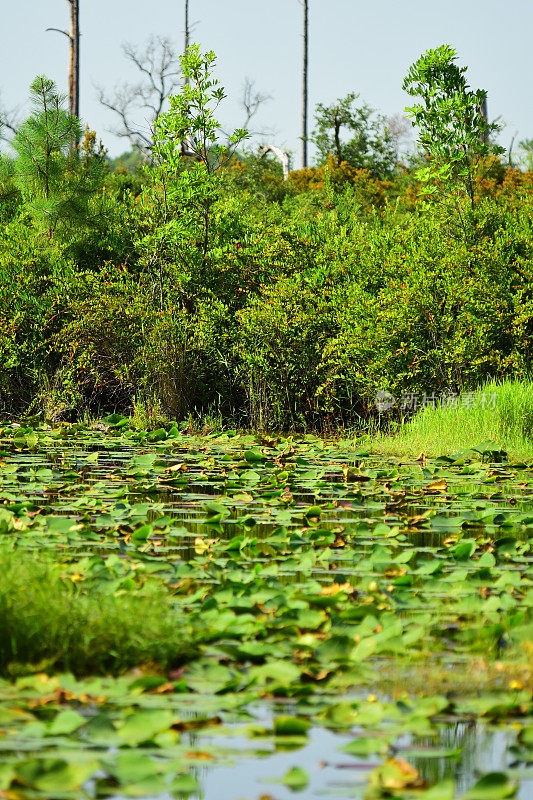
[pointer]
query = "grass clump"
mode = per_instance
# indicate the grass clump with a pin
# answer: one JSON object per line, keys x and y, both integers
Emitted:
{"x": 48, "y": 622}
{"x": 499, "y": 411}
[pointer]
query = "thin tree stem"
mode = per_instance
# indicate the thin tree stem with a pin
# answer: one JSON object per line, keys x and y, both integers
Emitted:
{"x": 305, "y": 112}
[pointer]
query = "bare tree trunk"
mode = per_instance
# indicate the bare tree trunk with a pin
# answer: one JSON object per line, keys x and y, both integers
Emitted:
{"x": 74, "y": 71}
{"x": 281, "y": 155}
{"x": 485, "y": 113}
{"x": 305, "y": 83}
{"x": 187, "y": 33}
{"x": 74, "y": 61}
{"x": 337, "y": 124}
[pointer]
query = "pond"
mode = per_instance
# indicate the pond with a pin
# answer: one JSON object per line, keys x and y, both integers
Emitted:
{"x": 362, "y": 626}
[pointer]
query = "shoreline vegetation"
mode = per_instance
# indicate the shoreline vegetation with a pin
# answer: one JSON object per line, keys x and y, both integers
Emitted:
{"x": 498, "y": 415}
{"x": 212, "y": 288}
{"x": 360, "y": 563}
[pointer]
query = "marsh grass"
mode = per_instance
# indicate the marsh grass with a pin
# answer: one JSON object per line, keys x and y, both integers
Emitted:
{"x": 48, "y": 622}
{"x": 499, "y": 411}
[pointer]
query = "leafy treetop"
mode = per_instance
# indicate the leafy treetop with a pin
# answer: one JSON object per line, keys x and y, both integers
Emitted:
{"x": 453, "y": 130}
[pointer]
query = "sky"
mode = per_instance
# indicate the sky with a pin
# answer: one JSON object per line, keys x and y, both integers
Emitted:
{"x": 355, "y": 45}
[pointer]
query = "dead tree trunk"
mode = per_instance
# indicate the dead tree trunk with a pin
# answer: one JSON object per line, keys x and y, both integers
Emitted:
{"x": 74, "y": 75}
{"x": 187, "y": 34}
{"x": 282, "y": 156}
{"x": 485, "y": 114}
{"x": 305, "y": 113}
{"x": 74, "y": 60}
{"x": 337, "y": 123}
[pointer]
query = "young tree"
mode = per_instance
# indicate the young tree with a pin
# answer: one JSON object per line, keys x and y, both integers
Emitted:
{"x": 369, "y": 145}
{"x": 187, "y": 172}
{"x": 55, "y": 183}
{"x": 453, "y": 130}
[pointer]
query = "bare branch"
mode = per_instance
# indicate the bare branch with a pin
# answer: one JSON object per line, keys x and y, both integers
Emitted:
{"x": 400, "y": 130}
{"x": 252, "y": 101}
{"x": 138, "y": 106}
{"x": 58, "y": 30}
{"x": 8, "y": 122}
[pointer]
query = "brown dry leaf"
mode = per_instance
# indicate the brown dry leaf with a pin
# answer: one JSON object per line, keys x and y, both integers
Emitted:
{"x": 165, "y": 688}
{"x": 417, "y": 519}
{"x": 199, "y": 755}
{"x": 243, "y": 497}
{"x": 436, "y": 486}
{"x": 286, "y": 454}
{"x": 62, "y": 696}
{"x": 335, "y": 588}
{"x": 91, "y": 699}
{"x": 316, "y": 676}
{"x": 395, "y": 572}
{"x": 396, "y": 773}
{"x": 177, "y": 468}
{"x": 422, "y": 457}
{"x": 395, "y": 494}
{"x": 268, "y": 441}
{"x": 354, "y": 477}
{"x": 193, "y": 724}
{"x": 495, "y": 473}
{"x": 201, "y": 545}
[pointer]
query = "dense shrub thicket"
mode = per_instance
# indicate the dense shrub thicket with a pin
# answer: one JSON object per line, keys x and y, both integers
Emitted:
{"x": 305, "y": 306}
{"x": 218, "y": 287}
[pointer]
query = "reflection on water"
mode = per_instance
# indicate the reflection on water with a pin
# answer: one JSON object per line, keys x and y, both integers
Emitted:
{"x": 336, "y": 775}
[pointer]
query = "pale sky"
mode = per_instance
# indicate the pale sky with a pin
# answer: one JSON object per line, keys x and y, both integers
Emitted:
{"x": 355, "y": 45}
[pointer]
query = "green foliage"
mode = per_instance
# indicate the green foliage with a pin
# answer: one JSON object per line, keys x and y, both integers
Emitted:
{"x": 371, "y": 145}
{"x": 131, "y": 162}
{"x": 501, "y": 411}
{"x": 217, "y": 288}
{"x": 282, "y": 335}
{"x": 190, "y": 123}
{"x": 55, "y": 183}
{"x": 453, "y": 130}
{"x": 287, "y": 572}
{"x": 10, "y": 196}
{"x": 262, "y": 176}
{"x": 185, "y": 178}
{"x": 48, "y": 622}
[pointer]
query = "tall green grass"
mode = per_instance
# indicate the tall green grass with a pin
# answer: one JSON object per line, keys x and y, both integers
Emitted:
{"x": 48, "y": 622}
{"x": 499, "y": 411}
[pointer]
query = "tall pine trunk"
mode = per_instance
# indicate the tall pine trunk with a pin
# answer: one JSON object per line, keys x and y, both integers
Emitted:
{"x": 74, "y": 72}
{"x": 187, "y": 32}
{"x": 305, "y": 113}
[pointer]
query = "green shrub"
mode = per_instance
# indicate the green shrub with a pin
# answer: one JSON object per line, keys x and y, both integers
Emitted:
{"x": 499, "y": 411}
{"x": 49, "y": 622}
